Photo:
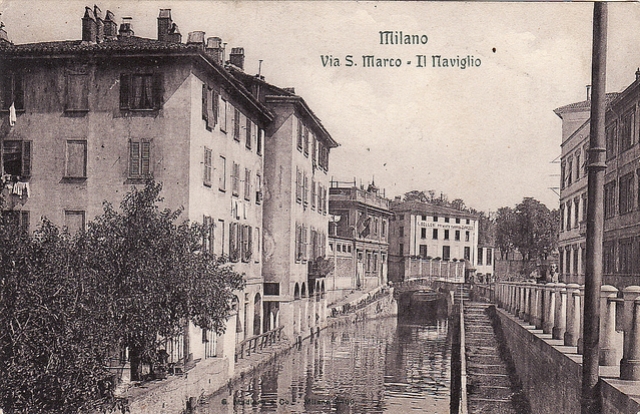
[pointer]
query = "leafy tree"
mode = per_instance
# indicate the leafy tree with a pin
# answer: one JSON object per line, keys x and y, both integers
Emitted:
{"x": 68, "y": 303}
{"x": 506, "y": 231}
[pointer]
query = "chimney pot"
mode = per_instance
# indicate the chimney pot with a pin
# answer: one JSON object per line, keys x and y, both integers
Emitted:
{"x": 196, "y": 38}
{"x": 89, "y": 26}
{"x": 99, "y": 24}
{"x": 110, "y": 26}
{"x": 125, "y": 28}
{"x": 215, "y": 49}
{"x": 166, "y": 26}
{"x": 236, "y": 57}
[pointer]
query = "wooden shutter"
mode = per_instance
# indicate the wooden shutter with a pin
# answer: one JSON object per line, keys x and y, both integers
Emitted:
{"x": 207, "y": 167}
{"x": 18, "y": 91}
{"x": 205, "y": 111}
{"x": 158, "y": 90}
{"x": 134, "y": 159}
{"x": 145, "y": 157}
{"x": 249, "y": 134}
{"x": 26, "y": 158}
{"x": 215, "y": 106}
{"x": 125, "y": 90}
{"x": 7, "y": 91}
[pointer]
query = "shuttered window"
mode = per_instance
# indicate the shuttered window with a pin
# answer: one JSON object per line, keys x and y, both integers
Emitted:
{"x": 12, "y": 91}
{"x": 207, "y": 167}
{"x": 76, "y": 159}
{"x": 16, "y": 158}
{"x": 77, "y": 92}
{"x": 139, "y": 159}
{"x": 141, "y": 91}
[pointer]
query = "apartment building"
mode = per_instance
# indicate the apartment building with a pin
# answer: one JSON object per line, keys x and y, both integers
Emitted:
{"x": 85, "y": 120}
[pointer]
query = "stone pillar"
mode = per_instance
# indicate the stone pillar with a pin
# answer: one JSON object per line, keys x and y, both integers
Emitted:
{"x": 573, "y": 315}
{"x": 630, "y": 363}
{"x": 536, "y": 315}
{"x": 560, "y": 317}
{"x": 608, "y": 352}
{"x": 549, "y": 308}
{"x": 526, "y": 313}
{"x": 629, "y": 294}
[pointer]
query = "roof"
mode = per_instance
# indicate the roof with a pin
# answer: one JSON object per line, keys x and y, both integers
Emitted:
{"x": 124, "y": 44}
{"x": 581, "y": 106}
{"x": 419, "y": 207}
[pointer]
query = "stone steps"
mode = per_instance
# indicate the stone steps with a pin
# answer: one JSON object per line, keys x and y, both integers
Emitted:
{"x": 489, "y": 386}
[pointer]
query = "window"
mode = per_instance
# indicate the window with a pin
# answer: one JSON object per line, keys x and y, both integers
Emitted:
{"x": 74, "y": 221}
{"x": 235, "y": 179}
{"x": 626, "y": 130}
{"x": 383, "y": 231}
{"x": 298, "y": 185}
{"x": 435, "y": 218}
{"x": 467, "y": 253}
{"x": 17, "y": 219}
{"x": 489, "y": 257}
{"x": 77, "y": 92}
{"x": 247, "y": 243}
{"x": 625, "y": 253}
{"x": 423, "y": 251}
{"x": 611, "y": 140}
{"x": 139, "y": 159}
{"x": 610, "y": 199}
{"x": 306, "y": 142}
{"x": 234, "y": 245}
{"x": 323, "y": 156}
{"x": 468, "y": 221}
{"x": 466, "y": 236}
{"x": 578, "y": 167}
{"x": 299, "y": 134}
{"x": 480, "y": 255}
{"x": 401, "y": 217}
{"x": 457, "y": 235}
{"x": 575, "y": 260}
{"x": 236, "y": 124}
{"x": 400, "y": 231}
{"x": 224, "y": 108}
{"x": 561, "y": 217}
{"x": 17, "y": 158}
{"x": 569, "y": 170}
{"x": 446, "y": 252}
{"x": 210, "y": 103}
{"x": 609, "y": 258}
{"x": 423, "y": 233}
{"x": 207, "y": 234}
{"x": 576, "y": 209}
{"x": 457, "y": 220}
{"x": 207, "y": 167}
{"x": 247, "y": 184}
{"x": 249, "y": 134}
{"x": 314, "y": 150}
{"x": 12, "y": 92}
{"x": 76, "y": 159}
{"x": 258, "y": 189}
{"x": 141, "y": 91}
{"x": 626, "y": 193}
{"x": 446, "y": 234}
{"x": 446, "y": 219}
{"x": 220, "y": 237}
{"x": 401, "y": 249}
{"x": 305, "y": 189}
{"x": 568, "y": 215}
{"x": 257, "y": 244}
{"x": 435, "y": 234}
{"x": 222, "y": 179}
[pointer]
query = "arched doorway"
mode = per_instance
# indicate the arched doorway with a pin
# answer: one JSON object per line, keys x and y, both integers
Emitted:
{"x": 257, "y": 308}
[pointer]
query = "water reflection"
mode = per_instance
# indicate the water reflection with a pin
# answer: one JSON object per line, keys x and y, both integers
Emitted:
{"x": 382, "y": 366}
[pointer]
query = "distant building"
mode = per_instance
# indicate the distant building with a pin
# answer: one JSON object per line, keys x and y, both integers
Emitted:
{"x": 430, "y": 232}
{"x": 573, "y": 189}
{"x": 99, "y": 115}
{"x": 358, "y": 236}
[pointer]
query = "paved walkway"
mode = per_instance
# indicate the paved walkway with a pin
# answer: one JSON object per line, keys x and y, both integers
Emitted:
{"x": 490, "y": 387}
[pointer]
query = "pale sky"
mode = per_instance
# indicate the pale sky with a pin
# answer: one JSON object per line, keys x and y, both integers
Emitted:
{"x": 485, "y": 134}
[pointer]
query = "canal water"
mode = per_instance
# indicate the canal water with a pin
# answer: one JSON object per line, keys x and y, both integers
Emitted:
{"x": 377, "y": 366}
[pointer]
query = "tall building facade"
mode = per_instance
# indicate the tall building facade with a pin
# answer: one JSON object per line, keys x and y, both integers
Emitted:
{"x": 573, "y": 189}
{"x": 295, "y": 216}
{"x": 85, "y": 120}
{"x": 358, "y": 237}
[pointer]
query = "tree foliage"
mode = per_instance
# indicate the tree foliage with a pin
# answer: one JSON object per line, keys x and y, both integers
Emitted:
{"x": 67, "y": 304}
{"x": 531, "y": 228}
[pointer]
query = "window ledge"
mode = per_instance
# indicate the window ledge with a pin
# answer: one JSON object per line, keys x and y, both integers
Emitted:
{"x": 73, "y": 179}
{"x": 137, "y": 180}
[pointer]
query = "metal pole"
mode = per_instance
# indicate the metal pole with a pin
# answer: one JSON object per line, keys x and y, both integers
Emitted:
{"x": 595, "y": 215}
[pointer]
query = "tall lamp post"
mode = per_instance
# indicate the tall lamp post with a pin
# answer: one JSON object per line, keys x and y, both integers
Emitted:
{"x": 595, "y": 215}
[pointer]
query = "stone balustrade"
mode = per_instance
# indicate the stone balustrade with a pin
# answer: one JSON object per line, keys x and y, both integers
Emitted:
{"x": 557, "y": 309}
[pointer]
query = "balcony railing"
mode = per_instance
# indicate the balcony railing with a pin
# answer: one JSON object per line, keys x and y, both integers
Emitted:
{"x": 257, "y": 343}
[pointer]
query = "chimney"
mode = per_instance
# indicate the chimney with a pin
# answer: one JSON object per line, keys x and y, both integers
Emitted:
{"x": 215, "y": 49}
{"x": 236, "y": 57}
{"x": 99, "y": 24}
{"x": 588, "y": 92}
{"x": 167, "y": 29}
{"x": 4, "y": 38}
{"x": 196, "y": 38}
{"x": 89, "y": 26}
{"x": 125, "y": 28}
{"x": 110, "y": 26}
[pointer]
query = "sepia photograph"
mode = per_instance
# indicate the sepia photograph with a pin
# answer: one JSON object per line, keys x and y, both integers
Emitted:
{"x": 319, "y": 207}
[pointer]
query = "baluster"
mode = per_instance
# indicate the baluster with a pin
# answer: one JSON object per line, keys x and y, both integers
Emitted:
{"x": 608, "y": 352}
{"x": 573, "y": 315}
{"x": 560, "y": 317}
{"x": 549, "y": 308}
{"x": 630, "y": 363}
